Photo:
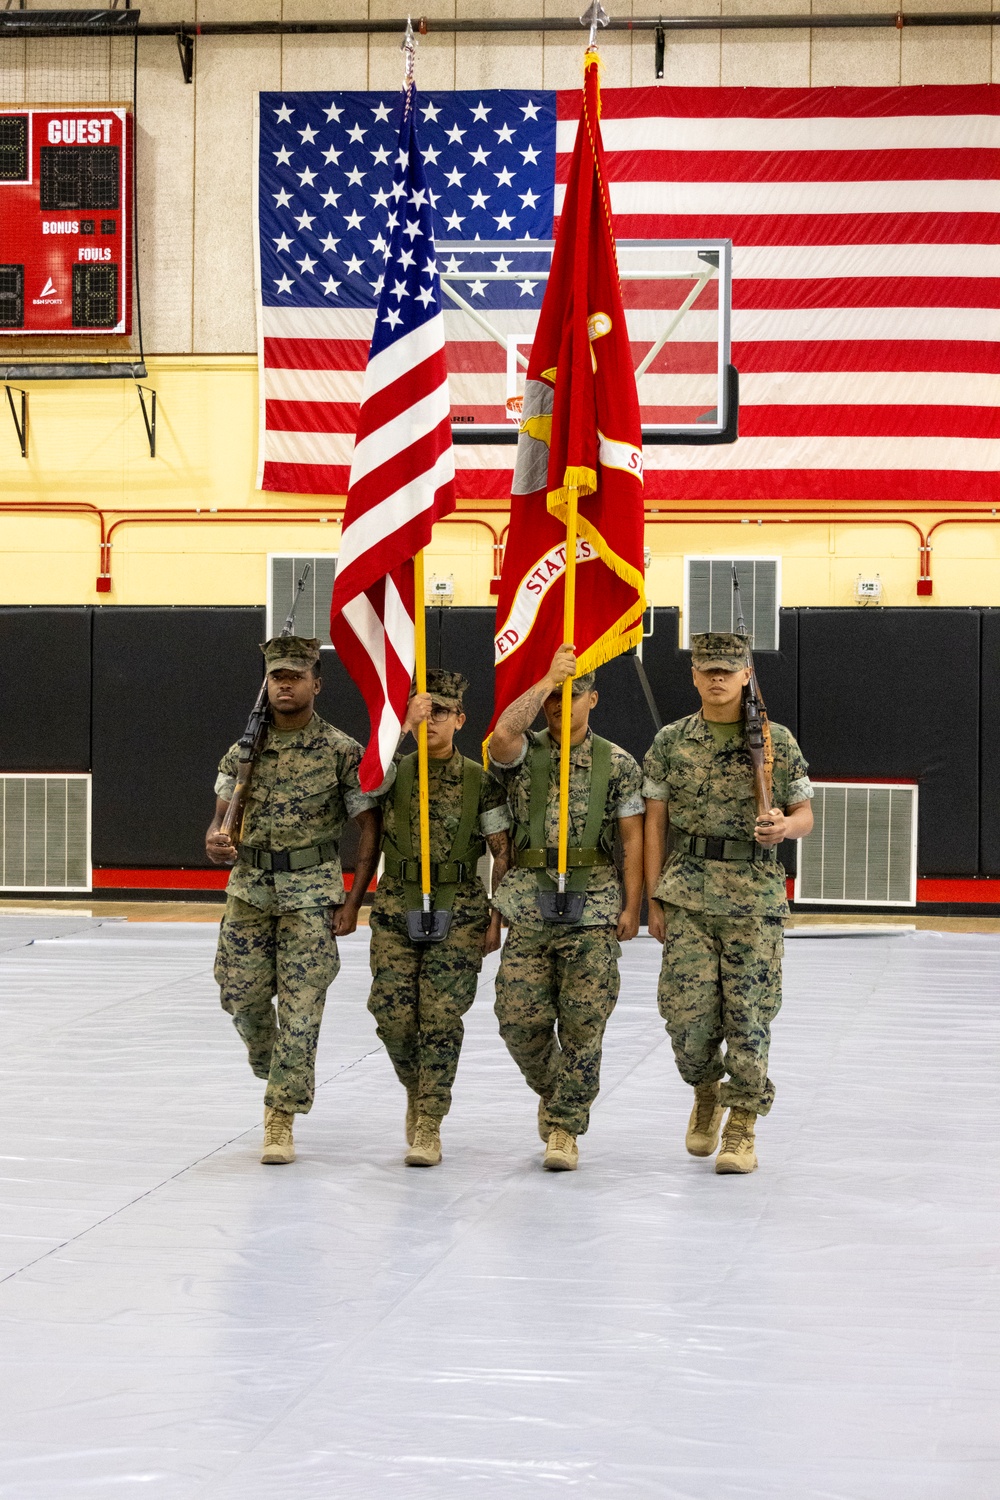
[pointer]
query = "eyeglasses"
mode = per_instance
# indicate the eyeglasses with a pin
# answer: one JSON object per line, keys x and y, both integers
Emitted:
{"x": 439, "y": 714}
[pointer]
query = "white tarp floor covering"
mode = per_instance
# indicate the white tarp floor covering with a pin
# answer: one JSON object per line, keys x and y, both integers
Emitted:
{"x": 178, "y": 1322}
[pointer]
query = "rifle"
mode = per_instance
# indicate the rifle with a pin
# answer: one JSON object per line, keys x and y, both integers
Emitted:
{"x": 758, "y": 730}
{"x": 251, "y": 741}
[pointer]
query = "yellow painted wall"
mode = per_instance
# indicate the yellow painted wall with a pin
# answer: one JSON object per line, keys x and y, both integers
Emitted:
{"x": 87, "y": 443}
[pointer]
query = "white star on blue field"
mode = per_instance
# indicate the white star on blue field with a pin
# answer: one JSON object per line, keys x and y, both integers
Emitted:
{"x": 325, "y": 196}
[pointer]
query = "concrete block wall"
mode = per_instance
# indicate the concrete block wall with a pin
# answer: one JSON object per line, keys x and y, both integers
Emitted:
{"x": 194, "y": 148}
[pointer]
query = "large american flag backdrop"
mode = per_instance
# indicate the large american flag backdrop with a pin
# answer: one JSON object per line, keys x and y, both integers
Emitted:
{"x": 866, "y": 293}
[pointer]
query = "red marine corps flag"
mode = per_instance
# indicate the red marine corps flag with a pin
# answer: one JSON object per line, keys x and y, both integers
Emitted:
{"x": 578, "y": 473}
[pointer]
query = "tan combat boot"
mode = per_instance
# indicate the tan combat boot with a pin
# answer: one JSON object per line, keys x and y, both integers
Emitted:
{"x": 561, "y": 1152}
{"x": 706, "y": 1117}
{"x": 425, "y": 1150}
{"x": 411, "y": 1115}
{"x": 279, "y": 1147}
{"x": 737, "y": 1153}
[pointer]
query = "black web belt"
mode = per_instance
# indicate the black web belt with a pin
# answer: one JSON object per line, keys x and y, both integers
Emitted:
{"x": 286, "y": 860}
{"x": 715, "y": 848}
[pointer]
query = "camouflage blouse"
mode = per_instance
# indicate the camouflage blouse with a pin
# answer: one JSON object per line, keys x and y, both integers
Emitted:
{"x": 708, "y": 790}
{"x": 304, "y": 789}
{"x": 514, "y": 898}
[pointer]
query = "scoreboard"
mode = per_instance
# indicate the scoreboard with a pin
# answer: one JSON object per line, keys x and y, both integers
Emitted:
{"x": 65, "y": 220}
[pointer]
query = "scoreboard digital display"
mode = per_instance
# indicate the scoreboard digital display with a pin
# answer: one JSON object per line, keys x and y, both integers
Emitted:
{"x": 65, "y": 220}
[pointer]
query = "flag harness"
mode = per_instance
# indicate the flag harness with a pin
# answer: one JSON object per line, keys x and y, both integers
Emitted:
{"x": 565, "y": 902}
{"x": 444, "y": 875}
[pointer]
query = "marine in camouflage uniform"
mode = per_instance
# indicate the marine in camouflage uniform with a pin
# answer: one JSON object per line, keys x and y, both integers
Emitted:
{"x": 421, "y": 991}
{"x": 558, "y": 982}
{"x": 721, "y": 891}
{"x": 285, "y": 901}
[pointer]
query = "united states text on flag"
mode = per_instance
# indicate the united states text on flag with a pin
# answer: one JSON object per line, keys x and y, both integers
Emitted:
{"x": 866, "y": 232}
{"x": 402, "y": 465}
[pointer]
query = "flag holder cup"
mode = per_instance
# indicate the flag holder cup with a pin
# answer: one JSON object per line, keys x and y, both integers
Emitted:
{"x": 561, "y": 906}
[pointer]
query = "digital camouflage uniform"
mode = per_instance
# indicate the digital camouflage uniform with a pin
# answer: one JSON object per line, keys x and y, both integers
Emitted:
{"x": 558, "y": 982}
{"x": 421, "y": 991}
{"x": 276, "y": 937}
{"x": 721, "y": 974}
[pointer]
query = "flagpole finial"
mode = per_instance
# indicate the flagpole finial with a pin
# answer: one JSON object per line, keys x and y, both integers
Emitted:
{"x": 595, "y": 15}
{"x": 408, "y": 47}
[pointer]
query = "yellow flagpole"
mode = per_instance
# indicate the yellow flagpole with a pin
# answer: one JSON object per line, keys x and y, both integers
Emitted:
{"x": 420, "y": 651}
{"x": 569, "y": 631}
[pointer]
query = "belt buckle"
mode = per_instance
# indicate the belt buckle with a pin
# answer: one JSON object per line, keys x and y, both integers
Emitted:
{"x": 279, "y": 861}
{"x": 552, "y": 859}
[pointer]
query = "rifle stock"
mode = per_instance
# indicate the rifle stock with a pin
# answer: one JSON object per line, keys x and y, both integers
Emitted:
{"x": 254, "y": 736}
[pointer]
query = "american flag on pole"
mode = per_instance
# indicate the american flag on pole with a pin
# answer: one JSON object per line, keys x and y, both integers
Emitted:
{"x": 866, "y": 230}
{"x": 402, "y": 465}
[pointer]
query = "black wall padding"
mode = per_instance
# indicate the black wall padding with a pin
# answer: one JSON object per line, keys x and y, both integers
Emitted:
{"x": 45, "y": 689}
{"x": 895, "y": 693}
{"x": 172, "y": 690}
{"x": 989, "y": 811}
{"x": 464, "y": 642}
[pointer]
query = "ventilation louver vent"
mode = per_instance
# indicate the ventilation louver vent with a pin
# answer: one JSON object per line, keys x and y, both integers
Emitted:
{"x": 708, "y": 597}
{"x": 45, "y": 833}
{"x": 863, "y": 848}
{"x": 312, "y": 617}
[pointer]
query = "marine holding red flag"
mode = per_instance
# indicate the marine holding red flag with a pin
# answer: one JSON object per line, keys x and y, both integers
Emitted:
{"x": 580, "y": 427}
{"x": 570, "y": 792}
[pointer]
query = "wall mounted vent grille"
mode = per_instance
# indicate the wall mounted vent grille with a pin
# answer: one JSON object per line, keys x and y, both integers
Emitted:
{"x": 863, "y": 848}
{"x": 708, "y": 597}
{"x": 45, "y": 833}
{"x": 312, "y": 618}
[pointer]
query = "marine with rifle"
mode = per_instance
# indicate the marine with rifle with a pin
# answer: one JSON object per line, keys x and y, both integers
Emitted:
{"x": 284, "y": 794}
{"x": 723, "y": 788}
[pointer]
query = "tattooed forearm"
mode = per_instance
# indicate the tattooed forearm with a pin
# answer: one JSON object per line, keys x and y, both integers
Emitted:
{"x": 505, "y": 742}
{"x": 499, "y": 846}
{"x": 508, "y": 737}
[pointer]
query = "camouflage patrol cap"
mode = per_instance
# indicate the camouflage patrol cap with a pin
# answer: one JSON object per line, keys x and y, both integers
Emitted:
{"x": 291, "y": 653}
{"x": 718, "y": 650}
{"x": 446, "y": 688}
{"x": 584, "y": 683}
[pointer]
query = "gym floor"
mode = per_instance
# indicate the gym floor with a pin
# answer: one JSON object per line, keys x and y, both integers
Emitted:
{"x": 182, "y": 1323}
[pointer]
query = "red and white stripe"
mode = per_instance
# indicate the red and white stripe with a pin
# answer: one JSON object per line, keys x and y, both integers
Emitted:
{"x": 401, "y": 480}
{"x": 866, "y": 299}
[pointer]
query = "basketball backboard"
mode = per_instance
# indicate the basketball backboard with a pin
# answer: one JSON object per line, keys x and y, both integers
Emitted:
{"x": 677, "y": 296}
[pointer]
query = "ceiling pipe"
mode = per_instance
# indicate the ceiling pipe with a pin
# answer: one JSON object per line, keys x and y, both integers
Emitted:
{"x": 26, "y": 23}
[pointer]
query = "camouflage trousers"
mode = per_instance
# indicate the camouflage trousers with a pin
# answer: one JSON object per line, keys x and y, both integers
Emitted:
{"x": 293, "y": 956}
{"x": 420, "y": 992}
{"x": 721, "y": 982}
{"x": 556, "y": 988}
